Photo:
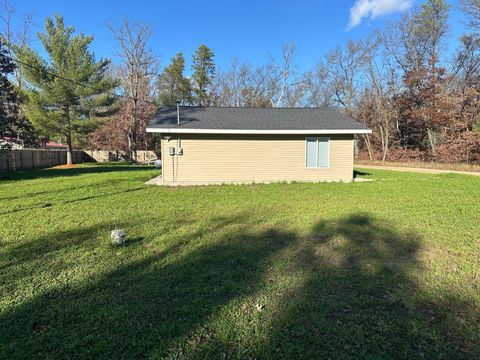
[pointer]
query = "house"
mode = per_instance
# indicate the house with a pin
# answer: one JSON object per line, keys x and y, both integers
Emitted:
{"x": 216, "y": 145}
{"x": 10, "y": 143}
{"x": 53, "y": 145}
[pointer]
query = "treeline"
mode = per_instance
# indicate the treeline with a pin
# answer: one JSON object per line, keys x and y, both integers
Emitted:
{"x": 418, "y": 93}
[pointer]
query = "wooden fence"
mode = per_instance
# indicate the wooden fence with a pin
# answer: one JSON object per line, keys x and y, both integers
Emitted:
{"x": 143, "y": 156}
{"x": 35, "y": 158}
{"x": 11, "y": 160}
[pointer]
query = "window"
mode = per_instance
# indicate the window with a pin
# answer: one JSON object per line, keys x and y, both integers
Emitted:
{"x": 317, "y": 152}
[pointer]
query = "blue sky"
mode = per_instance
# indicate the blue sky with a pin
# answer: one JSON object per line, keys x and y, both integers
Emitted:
{"x": 248, "y": 29}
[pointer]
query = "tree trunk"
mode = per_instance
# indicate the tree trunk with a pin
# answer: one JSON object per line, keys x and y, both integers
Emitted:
{"x": 132, "y": 140}
{"x": 431, "y": 141}
{"x": 385, "y": 142}
{"x": 129, "y": 152}
{"x": 369, "y": 146}
{"x": 69, "y": 153}
{"x": 355, "y": 147}
{"x": 69, "y": 137}
{"x": 382, "y": 138}
{"x": 385, "y": 153}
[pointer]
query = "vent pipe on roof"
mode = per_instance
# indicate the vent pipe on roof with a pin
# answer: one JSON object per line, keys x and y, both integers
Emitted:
{"x": 178, "y": 112}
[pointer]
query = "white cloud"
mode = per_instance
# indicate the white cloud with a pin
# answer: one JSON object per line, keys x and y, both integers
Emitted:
{"x": 375, "y": 8}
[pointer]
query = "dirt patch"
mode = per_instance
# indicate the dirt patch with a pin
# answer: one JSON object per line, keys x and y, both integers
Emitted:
{"x": 422, "y": 165}
{"x": 417, "y": 170}
{"x": 71, "y": 166}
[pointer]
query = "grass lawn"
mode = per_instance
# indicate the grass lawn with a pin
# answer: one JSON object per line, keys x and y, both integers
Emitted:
{"x": 382, "y": 269}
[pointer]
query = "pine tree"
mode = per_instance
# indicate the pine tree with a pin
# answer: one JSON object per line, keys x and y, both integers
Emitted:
{"x": 12, "y": 125}
{"x": 173, "y": 85}
{"x": 70, "y": 91}
{"x": 430, "y": 27}
{"x": 203, "y": 73}
{"x": 8, "y": 100}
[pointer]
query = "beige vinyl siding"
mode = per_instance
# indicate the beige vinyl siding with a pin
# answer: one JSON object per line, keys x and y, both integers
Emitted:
{"x": 252, "y": 158}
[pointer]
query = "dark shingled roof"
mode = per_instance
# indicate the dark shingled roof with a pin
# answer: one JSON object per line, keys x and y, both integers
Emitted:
{"x": 237, "y": 118}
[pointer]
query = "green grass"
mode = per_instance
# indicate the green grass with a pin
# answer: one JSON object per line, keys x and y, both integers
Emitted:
{"x": 382, "y": 269}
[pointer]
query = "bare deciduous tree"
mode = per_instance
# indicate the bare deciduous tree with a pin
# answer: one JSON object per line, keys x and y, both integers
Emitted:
{"x": 466, "y": 64}
{"x": 15, "y": 36}
{"x": 281, "y": 75}
{"x": 345, "y": 65}
{"x": 137, "y": 71}
{"x": 242, "y": 85}
{"x": 272, "y": 85}
{"x": 472, "y": 10}
{"x": 229, "y": 85}
{"x": 319, "y": 92}
{"x": 382, "y": 79}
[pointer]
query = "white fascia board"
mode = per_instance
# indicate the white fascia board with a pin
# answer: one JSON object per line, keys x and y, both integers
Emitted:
{"x": 254, "y": 132}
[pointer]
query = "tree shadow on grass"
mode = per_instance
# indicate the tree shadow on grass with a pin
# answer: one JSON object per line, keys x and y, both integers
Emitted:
{"x": 145, "y": 306}
{"x": 43, "y": 249}
{"x": 355, "y": 296}
{"x": 18, "y": 260}
{"x": 58, "y": 240}
{"x": 81, "y": 170}
{"x": 361, "y": 299}
{"x": 59, "y": 191}
{"x": 49, "y": 204}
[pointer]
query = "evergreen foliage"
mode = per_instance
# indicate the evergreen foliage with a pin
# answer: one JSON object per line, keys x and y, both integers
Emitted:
{"x": 173, "y": 85}
{"x": 70, "y": 91}
{"x": 203, "y": 68}
{"x": 13, "y": 126}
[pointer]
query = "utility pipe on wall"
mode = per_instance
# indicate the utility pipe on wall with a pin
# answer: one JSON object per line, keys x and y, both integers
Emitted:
{"x": 178, "y": 141}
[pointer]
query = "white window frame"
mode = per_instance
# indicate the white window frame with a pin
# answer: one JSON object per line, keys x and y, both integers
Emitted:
{"x": 317, "y": 138}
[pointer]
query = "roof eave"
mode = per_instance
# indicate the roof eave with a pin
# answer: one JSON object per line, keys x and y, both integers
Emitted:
{"x": 256, "y": 132}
